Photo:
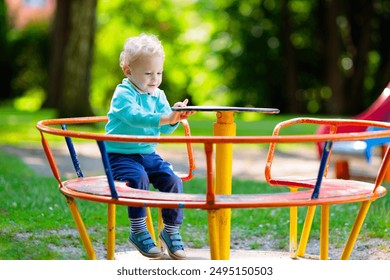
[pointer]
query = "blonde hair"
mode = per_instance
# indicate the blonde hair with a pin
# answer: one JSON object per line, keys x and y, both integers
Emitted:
{"x": 143, "y": 44}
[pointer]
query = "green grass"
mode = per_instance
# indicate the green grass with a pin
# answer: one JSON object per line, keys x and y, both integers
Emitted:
{"x": 18, "y": 127}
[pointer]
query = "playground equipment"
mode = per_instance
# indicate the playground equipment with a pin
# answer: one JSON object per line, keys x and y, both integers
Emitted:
{"x": 314, "y": 191}
{"x": 378, "y": 111}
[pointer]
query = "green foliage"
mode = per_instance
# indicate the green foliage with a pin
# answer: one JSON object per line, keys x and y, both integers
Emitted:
{"x": 217, "y": 52}
{"x": 191, "y": 66}
{"x": 234, "y": 52}
{"x": 27, "y": 61}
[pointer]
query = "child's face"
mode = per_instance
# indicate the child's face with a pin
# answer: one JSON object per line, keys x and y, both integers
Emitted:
{"x": 146, "y": 73}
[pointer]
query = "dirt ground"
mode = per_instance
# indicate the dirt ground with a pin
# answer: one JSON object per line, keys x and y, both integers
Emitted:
{"x": 248, "y": 164}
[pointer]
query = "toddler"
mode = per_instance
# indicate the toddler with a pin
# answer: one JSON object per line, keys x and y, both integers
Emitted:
{"x": 139, "y": 107}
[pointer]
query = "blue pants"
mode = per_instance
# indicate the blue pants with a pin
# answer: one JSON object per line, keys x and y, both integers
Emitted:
{"x": 141, "y": 170}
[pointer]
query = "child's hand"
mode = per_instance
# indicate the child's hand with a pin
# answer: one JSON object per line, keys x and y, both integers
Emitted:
{"x": 183, "y": 114}
{"x": 176, "y": 116}
{"x": 181, "y": 104}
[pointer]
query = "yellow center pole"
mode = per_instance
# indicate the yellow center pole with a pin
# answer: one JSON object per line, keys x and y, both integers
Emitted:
{"x": 160, "y": 226}
{"x": 149, "y": 223}
{"x": 224, "y": 126}
{"x": 213, "y": 235}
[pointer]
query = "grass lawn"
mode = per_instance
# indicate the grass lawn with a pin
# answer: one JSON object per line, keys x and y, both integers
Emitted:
{"x": 36, "y": 223}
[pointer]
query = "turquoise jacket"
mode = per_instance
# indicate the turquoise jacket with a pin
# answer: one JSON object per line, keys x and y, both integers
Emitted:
{"x": 134, "y": 113}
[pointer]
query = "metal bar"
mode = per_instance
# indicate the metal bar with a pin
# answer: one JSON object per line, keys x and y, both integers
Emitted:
{"x": 51, "y": 159}
{"x": 355, "y": 230}
{"x": 107, "y": 169}
{"x": 73, "y": 154}
{"x": 324, "y": 160}
{"x": 324, "y": 232}
{"x": 293, "y": 227}
{"x": 81, "y": 228}
{"x": 160, "y": 225}
{"x": 213, "y": 235}
{"x": 111, "y": 214}
{"x": 224, "y": 126}
{"x": 149, "y": 223}
{"x": 306, "y": 231}
{"x": 384, "y": 169}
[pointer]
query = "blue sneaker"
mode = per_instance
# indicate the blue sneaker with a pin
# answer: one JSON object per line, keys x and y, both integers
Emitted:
{"x": 174, "y": 245}
{"x": 144, "y": 243}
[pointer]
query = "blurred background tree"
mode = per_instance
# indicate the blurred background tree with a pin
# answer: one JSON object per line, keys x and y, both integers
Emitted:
{"x": 301, "y": 56}
{"x": 71, "y": 57}
{"x": 23, "y": 59}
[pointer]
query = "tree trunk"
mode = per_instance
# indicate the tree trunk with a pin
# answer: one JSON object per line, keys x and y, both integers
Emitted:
{"x": 333, "y": 76}
{"x": 383, "y": 77}
{"x": 72, "y": 55}
{"x": 59, "y": 37}
{"x": 291, "y": 84}
{"x": 361, "y": 16}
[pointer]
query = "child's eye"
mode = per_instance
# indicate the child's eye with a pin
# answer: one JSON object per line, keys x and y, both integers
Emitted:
{"x": 148, "y": 73}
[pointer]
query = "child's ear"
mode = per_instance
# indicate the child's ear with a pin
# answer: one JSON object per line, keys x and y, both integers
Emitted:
{"x": 126, "y": 70}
